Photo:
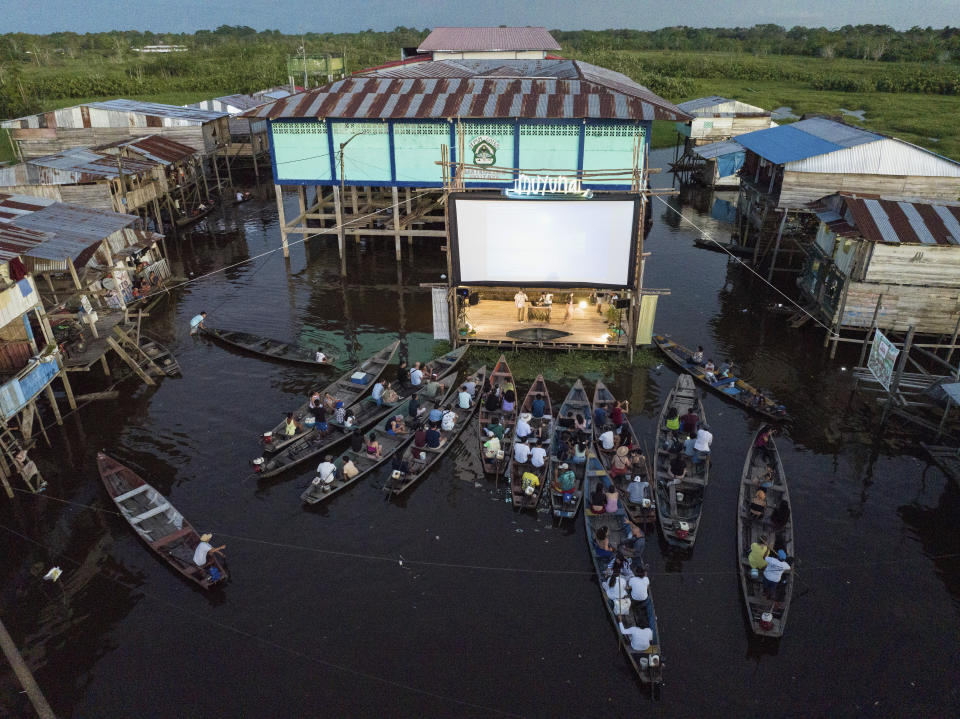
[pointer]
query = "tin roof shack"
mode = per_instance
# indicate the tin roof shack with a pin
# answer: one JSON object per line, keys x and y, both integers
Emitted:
{"x": 718, "y": 118}
{"x": 89, "y": 178}
{"x": 488, "y": 43}
{"x": 715, "y": 165}
{"x": 98, "y": 123}
{"x": 894, "y": 259}
{"x": 789, "y": 166}
{"x": 94, "y": 264}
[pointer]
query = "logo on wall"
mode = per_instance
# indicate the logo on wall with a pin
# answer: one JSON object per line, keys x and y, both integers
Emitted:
{"x": 484, "y": 150}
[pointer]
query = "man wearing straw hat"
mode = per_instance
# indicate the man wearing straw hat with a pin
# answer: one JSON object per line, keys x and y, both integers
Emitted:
{"x": 200, "y": 554}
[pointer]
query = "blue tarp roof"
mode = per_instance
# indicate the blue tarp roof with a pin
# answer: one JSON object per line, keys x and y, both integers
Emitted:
{"x": 807, "y": 138}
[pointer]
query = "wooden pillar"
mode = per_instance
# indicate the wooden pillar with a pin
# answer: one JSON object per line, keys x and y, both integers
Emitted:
{"x": 338, "y": 211}
{"x": 283, "y": 221}
{"x": 302, "y": 201}
{"x": 873, "y": 326}
{"x": 254, "y": 150}
{"x": 130, "y": 361}
{"x": 354, "y": 197}
{"x": 53, "y": 403}
{"x": 22, "y": 671}
{"x": 73, "y": 274}
{"x": 839, "y": 323}
{"x": 776, "y": 247}
{"x": 71, "y": 400}
{"x": 215, "y": 160}
{"x": 203, "y": 176}
{"x": 229, "y": 172}
{"x": 106, "y": 365}
{"x": 396, "y": 222}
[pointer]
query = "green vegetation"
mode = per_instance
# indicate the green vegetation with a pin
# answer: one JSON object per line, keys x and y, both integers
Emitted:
{"x": 556, "y": 365}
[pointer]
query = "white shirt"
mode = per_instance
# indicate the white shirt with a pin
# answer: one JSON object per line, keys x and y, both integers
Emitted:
{"x": 523, "y": 429}
{"x": 519, "y": 299}
{"x": 521, "y": 452}
{"x": 537, "y": 456}
{"x": 416, "y": 377}
{"x": 638, "y": 588}
{"x": 320, "y": 356}
{"x": 448, "y": 421}
{"x": 618, "y": 590}
{"x": 548, "y": 299}
{"x": 239, "y": 196}
{"x": 463, "y": 399}
{"x": 377, "y": 390}
{"x": 471, "y": 387}
{"x": 639, "y": 638}
{"x": 326, "y": 470}
{"x": 606, "y": 439}
{"x": 775, "y": 569}
{"x": 704, "y": 438}
{"x": 200, "y": 553}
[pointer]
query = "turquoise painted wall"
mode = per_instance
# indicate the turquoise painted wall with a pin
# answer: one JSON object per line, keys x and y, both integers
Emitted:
{"x": 416, "y": 146}
{"x": 610, "y": 146}
{"x": 550, "y": 147}
{"x": 499, "y": 136}
{"x": 367, "y": 157}
{"x": 301, "y": 150}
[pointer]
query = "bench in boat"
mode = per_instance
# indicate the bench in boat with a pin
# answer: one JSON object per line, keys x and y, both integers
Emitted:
{"x": 150, "y": 513}
{"x": 132, "y": 493}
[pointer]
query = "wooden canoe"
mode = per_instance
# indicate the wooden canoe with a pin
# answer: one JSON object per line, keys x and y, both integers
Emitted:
{"x": 501, "y": 377}
{"x": 266, "y": 347}
{"x": 645, "y": 663}
{"x": 187, "y": 220}
{"x": 316, "y": 492}
{"x": 768, "y": 617}
{"x": 420, "y": 460}
{"x": 543, "y": 429}
{"x": 159, "y": 354}
{"x": 158, "y": 523}
{"x": 679, "y": 505}
{"x": 343, "y": 389}
{"x": 640, "y": 466}
{"x": 732, "y": 388}
{"x": 576, "y": 402}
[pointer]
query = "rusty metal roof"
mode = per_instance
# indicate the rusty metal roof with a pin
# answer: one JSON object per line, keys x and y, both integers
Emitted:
{"x": 555, "y": 89}
{"x": 460, "y": 39}
{"x": 56, "y": 231}
{"x": 890, "y": 221}
{"x": 156, "y": 109}
{"x": 157, "y": 148}
{"x": 87, "y": 165}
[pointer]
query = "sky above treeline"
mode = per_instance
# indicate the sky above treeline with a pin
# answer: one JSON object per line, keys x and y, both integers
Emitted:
{"x": 293, "y": 16}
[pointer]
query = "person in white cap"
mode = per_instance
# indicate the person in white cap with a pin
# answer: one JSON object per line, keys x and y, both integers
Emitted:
{"x": 204, "y": 549}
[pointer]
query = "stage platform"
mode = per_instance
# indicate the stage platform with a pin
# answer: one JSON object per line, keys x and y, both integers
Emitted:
{"x": 495, "y": 323}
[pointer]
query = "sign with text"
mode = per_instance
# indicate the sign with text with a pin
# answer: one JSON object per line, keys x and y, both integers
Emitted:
{"x": 883, "y": 359}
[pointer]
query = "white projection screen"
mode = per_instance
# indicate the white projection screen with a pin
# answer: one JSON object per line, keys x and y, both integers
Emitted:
{"x": 544, "y": 243}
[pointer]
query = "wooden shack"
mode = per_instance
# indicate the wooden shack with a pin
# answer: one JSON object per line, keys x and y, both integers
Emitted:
{"x": 886, "y": 263}
{"x": 488, "y": 43}
{"x": 98, "y": 123}
{"x": 716, "y": 118}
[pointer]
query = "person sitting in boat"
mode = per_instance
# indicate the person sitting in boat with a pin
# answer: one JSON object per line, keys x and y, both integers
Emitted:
{"x": 434, "y": 438}
{"x": 492, "y": 402}
{"x": 725, "y": 369}
{"x": 374, "y": 449}
{"x": 690, "y": 421}
{"x": 758, "y": 401}
{"x": 773, "y": 573}
{"x": 620, "y": 465}
{"x": 639, "y": 585}
{"x": 416, "y": 375}
{"x": 414, "y": 410}
{"x": 673, "y": 420}
{"x": 529, "y": 483}
{"x": 356, "y": 440}
{"x": 580, "y": 423}
{"x": 464, "y": 397}
{"x": 702, "y": 444}
{"x": 349, "y": 469}
{"x": 688, "y": 448}
{"x": 564, "y": 479}
{"x": 634, "y": 541}
{"x": 523, "y": 429}
{"x": 329, "y": 402}
{"x": 395, "y": 425}
{"x": 611, "y": 499}
{"x": 538, "y": 407}
{"x": 599, "y": 416}
{"x": 640, "y": 637}
{"x": 433, "y": 388}
{"x": 763, "y": 444}
{"x": 448, "y": 419}
{"x": 339, "y": 412}
{"x": 420, "y": 437}
{"x": 491, "y": 447}
{"x": 376, "y": 394}
{"x": 319, "y": 417}
{"x": 390, "y": 395}
{"x": 509, "y": 401}
{"x": 759, "y": 551}
{"x": 567, "y": 422}
{"x": 618, "y": 593}
{"x": 708, "y": 368}
{"x": 563, "y": 447}
{"x": 291, "y": 425}
{"x": 494, "y": 429}
{"x": 509, "y": 386}
{"x": 326, "y": 471}
{"x": 616, "y": 417}
{"x": 697, "y": 357}
{"x": 538, "y": 455}
{"x": 606, "y": 439}
{"x": 403, "y": 374}
{"x": 598, "y": 500}
{"x": 350, "y": 420}
{"x": 436, "y": 414}
{"x": 781, "y": 515}
{"x": 521, "y": 452}
{"x": 239, "y": 196}
{"x": 637, "y": 490}
{"x": 320, "y": 357}
{"x": 758, "y": 504}
{"x": 579, "y": 453}
{"x": 203, "y": 550}
{"x": 601, "y": 544}
{"x": 677, "y": 469}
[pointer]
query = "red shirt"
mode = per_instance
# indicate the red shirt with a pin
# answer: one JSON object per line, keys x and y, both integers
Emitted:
{"x": 689, "y": 421}
{"x": 616, "y": 416}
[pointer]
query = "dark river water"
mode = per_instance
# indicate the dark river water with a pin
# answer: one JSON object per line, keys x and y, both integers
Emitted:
{"x": 489, "y": 612}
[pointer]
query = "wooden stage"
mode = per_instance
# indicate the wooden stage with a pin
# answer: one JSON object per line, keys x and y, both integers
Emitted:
{"x": 493, "y": 319}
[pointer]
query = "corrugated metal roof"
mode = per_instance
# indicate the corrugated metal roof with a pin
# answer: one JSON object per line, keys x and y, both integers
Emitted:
{"x": 718, "y": 149}
{"x": 890, "y": 221}
{"x": 807, "y": 138}
{"x": 836, "y": 132}
{"x": 716, "y": 106}
{"x": 68, "y": 231}
{"x": 886, "y": 156}
{"x": 457, "y": 39}
{"x": 87, "y": 165}
{"x": 158, "y": 110}
{"x": 561, "y": 89}
{"x": 158, "y": 148}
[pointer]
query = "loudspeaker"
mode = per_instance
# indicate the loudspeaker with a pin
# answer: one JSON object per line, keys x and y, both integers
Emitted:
{"x": 474, "y": 298}
{"x": 621, "y": 304}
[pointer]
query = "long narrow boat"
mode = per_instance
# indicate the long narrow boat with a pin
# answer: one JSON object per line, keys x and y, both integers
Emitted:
{"x": 768, "y": 617}
{"x": 642, "y": 513}
{"x": 679, "y": 504}
{"x": 365, "y": 463}
{"x": 645, "y": 663}
{"x": 266, "y": 347}
{"x": 159, "y": 354}
{"x": 568, "y": 504}
{"x": 420, "y": 460}
{"x": 501, "y": 377}
{"x": 542, "y": 428}
{"x": 366, "y": 413}
{"x": 348, "y": 388}
{"x": 731, "y": 387}
{"x": 158, "y": 523}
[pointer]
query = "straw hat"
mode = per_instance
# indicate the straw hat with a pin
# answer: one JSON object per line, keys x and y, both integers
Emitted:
{"x": 526, "y": 416}
{"x": 564, "y": 466}
{"x": 622, "y": 451}
{"x": 206, "y": 537}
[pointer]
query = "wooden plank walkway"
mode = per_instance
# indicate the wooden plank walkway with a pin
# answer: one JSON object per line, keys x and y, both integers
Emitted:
{"x": 96, "y": 347}
{"x": 492, "y": 319}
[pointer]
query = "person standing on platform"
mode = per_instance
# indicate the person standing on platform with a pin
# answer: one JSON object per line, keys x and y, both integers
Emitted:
{"x": 569, "y": 314}
{"x": 520, "y": 300}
